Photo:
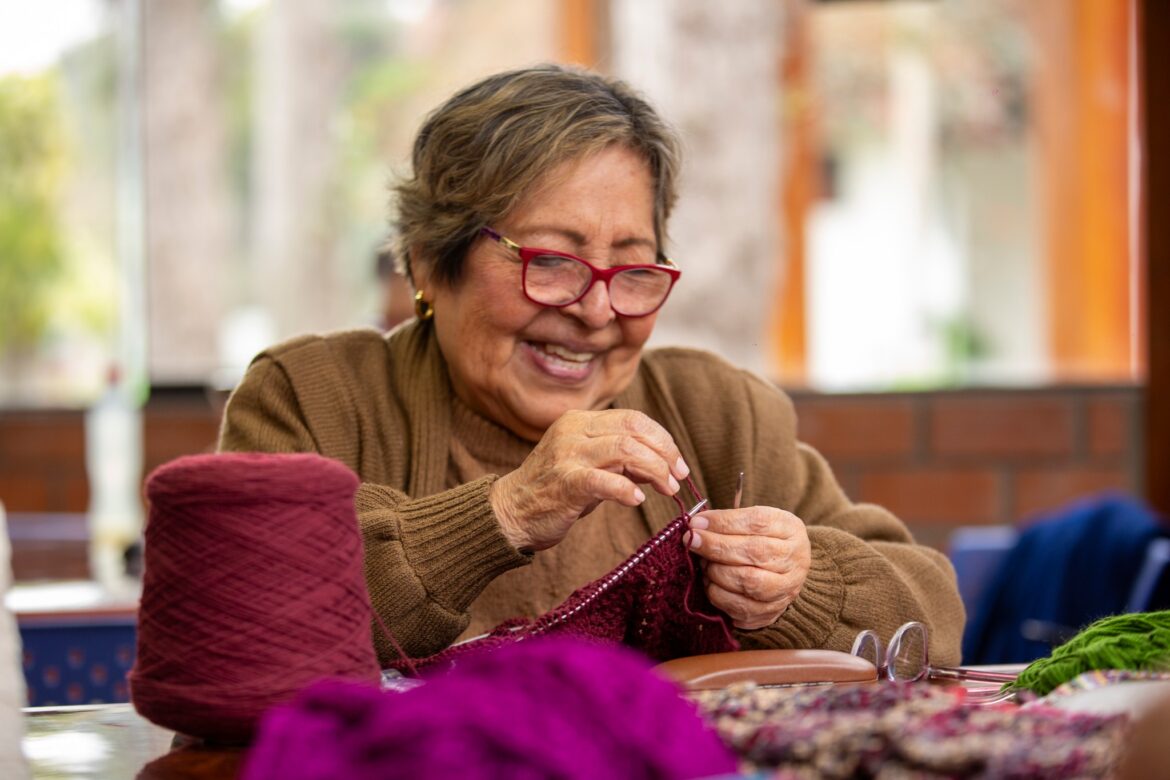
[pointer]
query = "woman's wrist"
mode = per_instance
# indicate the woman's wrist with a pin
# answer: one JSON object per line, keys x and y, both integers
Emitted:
{"x": 504, "y": 509}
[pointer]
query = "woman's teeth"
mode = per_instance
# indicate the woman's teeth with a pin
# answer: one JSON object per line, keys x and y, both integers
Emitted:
{"x": 564, "y": 354}
{"x": 568, "y": 356}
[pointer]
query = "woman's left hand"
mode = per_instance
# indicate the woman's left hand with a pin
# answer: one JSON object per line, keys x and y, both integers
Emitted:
{"x": 755, "y": 561}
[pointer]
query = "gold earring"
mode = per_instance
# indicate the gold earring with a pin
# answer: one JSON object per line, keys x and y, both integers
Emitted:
{"x": 422, "y": 309}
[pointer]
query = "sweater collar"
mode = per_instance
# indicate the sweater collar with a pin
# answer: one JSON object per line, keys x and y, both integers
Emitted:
{"x": 420, "y": 374}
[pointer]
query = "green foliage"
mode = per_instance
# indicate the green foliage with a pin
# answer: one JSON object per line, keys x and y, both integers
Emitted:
{"x": 32, "y": 160}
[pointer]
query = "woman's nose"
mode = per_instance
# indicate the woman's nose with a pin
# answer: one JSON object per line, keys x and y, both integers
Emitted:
{"x": 594, "y": 308}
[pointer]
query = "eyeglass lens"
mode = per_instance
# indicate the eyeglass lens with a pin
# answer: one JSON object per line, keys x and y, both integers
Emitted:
{"x": 906, "y": 657}
{"x": 868, "y": 646}
{"x": 904, "y": 660}
{"x": 557, "y": 280}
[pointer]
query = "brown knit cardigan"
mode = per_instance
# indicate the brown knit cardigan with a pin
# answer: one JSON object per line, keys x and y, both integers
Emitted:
{"x": 382, "y": 405}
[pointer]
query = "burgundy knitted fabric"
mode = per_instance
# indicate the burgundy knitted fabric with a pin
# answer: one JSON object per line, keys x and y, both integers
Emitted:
{"x": 654, "y": 602}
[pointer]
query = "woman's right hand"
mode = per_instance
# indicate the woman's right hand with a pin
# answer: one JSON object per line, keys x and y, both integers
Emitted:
{"x": 584, "y": 458}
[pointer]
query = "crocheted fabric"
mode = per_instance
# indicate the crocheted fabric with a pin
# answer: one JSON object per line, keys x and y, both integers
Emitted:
{"x": 654, "y": 602}
{"x": 909, "y": 729}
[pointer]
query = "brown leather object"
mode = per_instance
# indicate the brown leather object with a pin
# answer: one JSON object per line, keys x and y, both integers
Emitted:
{"x": 768, "y": 667}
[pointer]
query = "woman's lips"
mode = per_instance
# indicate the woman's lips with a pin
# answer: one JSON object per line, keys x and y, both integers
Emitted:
{"x": 561, "y": 362}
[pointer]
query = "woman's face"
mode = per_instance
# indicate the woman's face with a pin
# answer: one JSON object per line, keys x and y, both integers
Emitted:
{"x": 524, "y": 365}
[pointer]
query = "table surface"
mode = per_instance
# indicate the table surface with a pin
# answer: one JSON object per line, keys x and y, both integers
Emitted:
{"x": 112, "y": 741}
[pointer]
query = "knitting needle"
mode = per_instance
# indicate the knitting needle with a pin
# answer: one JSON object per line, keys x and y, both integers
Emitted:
{"x": 688, "y": 535}
{"x": 738, "y": 491}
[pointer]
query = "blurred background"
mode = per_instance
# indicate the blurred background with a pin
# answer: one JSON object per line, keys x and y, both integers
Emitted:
{"x": 920, "y": 217}
{"x": 877, "y": 195}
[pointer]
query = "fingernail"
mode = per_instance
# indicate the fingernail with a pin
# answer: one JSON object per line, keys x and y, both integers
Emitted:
{"x": 673, "y": 483}
{"x": 639, "y": 495}
{"x": 699, "y": 522}
{"x": 696, "y": 541}
{"x": 681, "y": 469}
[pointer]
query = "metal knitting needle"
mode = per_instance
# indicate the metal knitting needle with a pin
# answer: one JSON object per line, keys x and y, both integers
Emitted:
{"x": 738, "y": 491}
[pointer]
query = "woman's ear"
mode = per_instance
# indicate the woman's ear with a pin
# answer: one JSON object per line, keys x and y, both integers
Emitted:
{"x": 420, "y": 273}
{"x": 418, "y": 270}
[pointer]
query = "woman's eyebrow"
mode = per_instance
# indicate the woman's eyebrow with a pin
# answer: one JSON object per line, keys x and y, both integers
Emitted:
{"x": 578, "y": 239}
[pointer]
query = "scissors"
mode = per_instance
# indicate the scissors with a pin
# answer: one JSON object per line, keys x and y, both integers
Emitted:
{"x": 907, "y": 660}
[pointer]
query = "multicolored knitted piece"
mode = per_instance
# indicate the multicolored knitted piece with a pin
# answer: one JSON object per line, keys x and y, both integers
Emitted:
{"x": 654, "y": 602}
{"x": 907, "y": 730}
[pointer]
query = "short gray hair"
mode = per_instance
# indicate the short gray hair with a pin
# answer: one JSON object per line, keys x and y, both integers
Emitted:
{"x": 478, "y": 154}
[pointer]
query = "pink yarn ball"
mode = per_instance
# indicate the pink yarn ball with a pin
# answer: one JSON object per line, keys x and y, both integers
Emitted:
{"x": 545, "y": 707}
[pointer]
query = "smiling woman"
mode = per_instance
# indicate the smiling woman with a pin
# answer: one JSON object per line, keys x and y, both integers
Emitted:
{"x": 516, "y": 441}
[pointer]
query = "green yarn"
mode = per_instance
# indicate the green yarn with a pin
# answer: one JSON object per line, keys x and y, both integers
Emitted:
{"x": 1139, "y": 642}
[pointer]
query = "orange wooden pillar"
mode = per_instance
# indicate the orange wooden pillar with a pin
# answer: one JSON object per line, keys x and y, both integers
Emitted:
{"x": 1082, "y": 103}
{"x": 799, "y": 184}
{"x": 583, "y": 33}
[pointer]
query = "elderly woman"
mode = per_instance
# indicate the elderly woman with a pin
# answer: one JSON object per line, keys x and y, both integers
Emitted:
{"x": 514, "y": 440}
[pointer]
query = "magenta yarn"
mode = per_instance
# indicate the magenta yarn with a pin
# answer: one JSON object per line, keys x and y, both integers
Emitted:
{"x": 253, "y": 589}
{"x": 548, "y": 707}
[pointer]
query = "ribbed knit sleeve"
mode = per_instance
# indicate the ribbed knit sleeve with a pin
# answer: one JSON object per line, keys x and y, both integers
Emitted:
{"x": 427, "y": 555}
{"x": 427, "y": 559}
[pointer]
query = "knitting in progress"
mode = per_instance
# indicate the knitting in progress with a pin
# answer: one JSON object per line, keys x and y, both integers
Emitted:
{"x": 654, "y": 602}
{"x": 551, "y": 707}
{"x": 253, "y": 589}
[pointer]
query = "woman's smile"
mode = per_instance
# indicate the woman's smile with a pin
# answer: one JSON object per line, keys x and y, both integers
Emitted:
{"x": 560, "y": 362}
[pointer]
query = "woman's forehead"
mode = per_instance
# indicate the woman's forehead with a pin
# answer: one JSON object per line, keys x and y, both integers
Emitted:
{"x": 610, "y": 192}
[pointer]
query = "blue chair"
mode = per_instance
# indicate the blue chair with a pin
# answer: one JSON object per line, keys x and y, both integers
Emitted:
{"x": 977, "y": 551}
{"x": 1101, "y": 556}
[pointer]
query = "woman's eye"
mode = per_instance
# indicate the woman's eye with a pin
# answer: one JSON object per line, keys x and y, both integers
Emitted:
{"x": 550, "y": 261}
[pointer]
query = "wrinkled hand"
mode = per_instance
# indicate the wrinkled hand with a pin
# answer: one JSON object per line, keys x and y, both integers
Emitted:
{"x": 756, "y": 560}
{"x": 584, "y": 458}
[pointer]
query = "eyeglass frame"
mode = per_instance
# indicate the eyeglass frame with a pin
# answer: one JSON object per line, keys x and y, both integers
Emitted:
{"x": 869, "y": 639}
{"x": 527, "y": 254}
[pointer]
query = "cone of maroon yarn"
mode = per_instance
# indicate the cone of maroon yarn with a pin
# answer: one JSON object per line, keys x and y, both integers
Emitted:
{"x": 253, "y": 589}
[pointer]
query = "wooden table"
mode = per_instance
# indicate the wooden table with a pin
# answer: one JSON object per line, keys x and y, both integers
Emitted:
{"x": 112, "y": 741}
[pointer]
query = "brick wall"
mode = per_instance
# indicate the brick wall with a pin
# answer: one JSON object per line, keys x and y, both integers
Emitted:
{"x": 937, "y": 459}
{"x": 42, "y": 452}
{"x": 943, "y": 459}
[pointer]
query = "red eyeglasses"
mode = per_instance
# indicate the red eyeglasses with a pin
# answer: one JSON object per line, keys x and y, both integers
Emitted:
{"x": 558, "y": 279}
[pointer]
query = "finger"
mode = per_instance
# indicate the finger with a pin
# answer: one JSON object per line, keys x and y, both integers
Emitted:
{"x": 637, "y": 461}
{"x": 762, "y": 551}
{"x": 631, "y": 457}
{"x": 604, "y": 485}
{"x": 759, "y": 585}
{"x": 639, "y": 426}
{"x": 584, "y": 439}
{"x": 744, "y": 612}
{"x": 752, "y": 521}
